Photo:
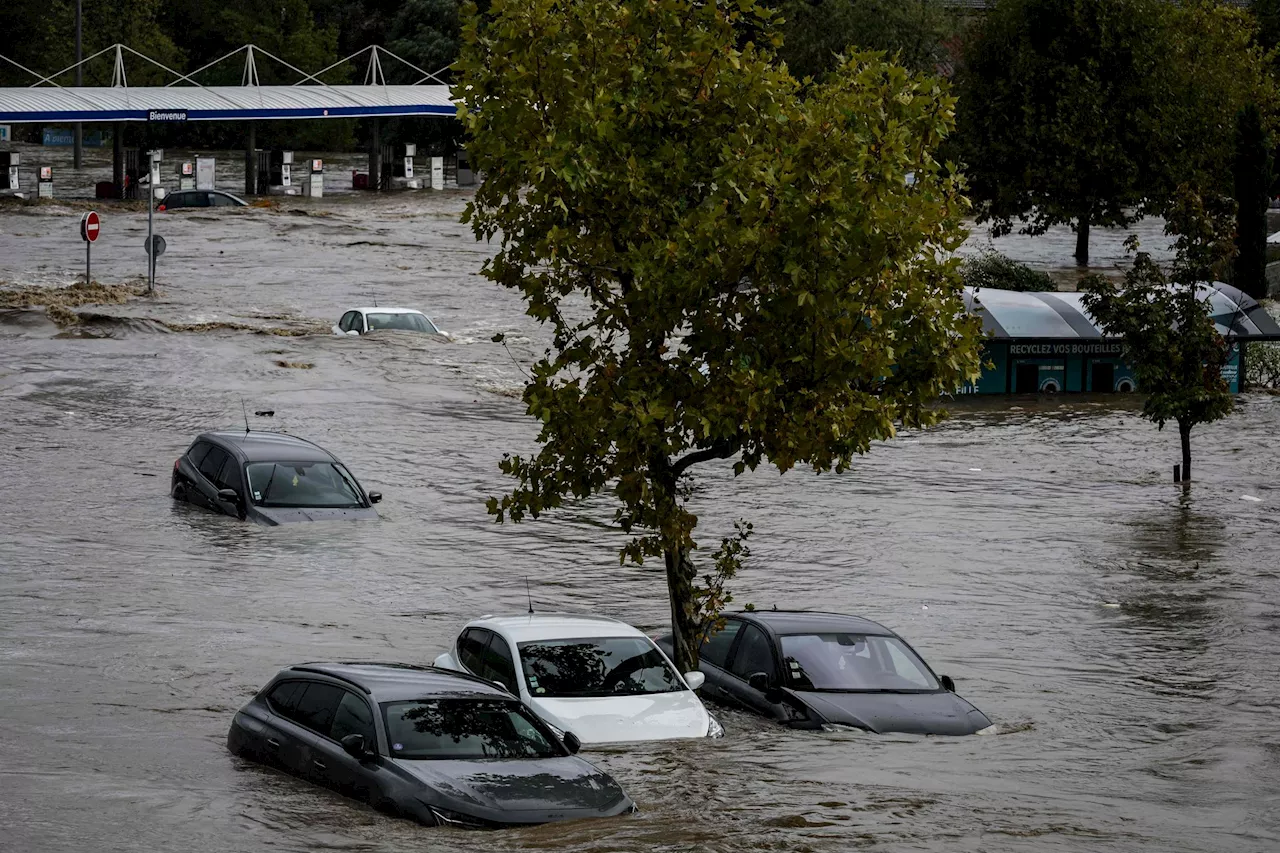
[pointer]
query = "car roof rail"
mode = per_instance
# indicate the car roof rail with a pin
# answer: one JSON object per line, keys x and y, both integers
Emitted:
{"x": 318, "y": 671}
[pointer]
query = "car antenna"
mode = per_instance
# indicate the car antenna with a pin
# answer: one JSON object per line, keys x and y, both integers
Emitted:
{"x": 528, "y": 594}
{"x": 245, "y": 409}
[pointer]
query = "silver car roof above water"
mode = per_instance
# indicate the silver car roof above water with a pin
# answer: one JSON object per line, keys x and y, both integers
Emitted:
{"x": 391, "y": 682}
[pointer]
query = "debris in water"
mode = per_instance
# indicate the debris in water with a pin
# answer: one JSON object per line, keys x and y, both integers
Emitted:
{"x": 1250, "y": 498}
{"x": 1110, "y": 604}
{"x": 975, "y": 469}
{"x": 299, "y": 365}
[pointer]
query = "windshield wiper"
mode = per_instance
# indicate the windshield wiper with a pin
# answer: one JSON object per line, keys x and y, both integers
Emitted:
{"x": 267, "y": 490}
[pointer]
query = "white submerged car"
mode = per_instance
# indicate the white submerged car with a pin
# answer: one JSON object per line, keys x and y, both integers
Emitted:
{"x": 599, "y": 678}
{"x": 362, "y": 321}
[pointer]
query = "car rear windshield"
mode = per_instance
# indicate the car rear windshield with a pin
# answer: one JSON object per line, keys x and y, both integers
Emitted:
{"x": 405, "y": 322}
{"x": 465, "y": 728}
{"x": 302, "y": 484}
{"x": 853, "y": 662}
{"x": 617, "y": 666}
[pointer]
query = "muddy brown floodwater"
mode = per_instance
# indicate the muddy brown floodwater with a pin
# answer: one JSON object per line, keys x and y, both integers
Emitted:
{"x": 1122, "y": 634}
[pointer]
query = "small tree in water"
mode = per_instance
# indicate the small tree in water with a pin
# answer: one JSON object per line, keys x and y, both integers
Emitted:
{"x": 733, "y": 265}
{"x": 1170, "y": 340}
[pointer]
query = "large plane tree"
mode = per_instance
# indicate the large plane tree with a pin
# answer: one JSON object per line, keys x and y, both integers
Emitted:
{"x": 731, "y": 266}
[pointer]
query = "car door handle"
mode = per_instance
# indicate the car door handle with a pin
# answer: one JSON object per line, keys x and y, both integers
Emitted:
{"x": 319, "y": 764}
{"x": 273, "y": 743}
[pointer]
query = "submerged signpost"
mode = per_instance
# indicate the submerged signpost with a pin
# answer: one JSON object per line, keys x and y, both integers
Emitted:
{"x": 155, "y": 243}
{"x": 90, "y": 226}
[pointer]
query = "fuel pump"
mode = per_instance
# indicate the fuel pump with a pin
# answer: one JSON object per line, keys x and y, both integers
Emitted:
{"x": 44, "y": 187}
{"x": 9, "y": 170}
{"x": 314, "y": 187}
{"x": 186, "y": 176}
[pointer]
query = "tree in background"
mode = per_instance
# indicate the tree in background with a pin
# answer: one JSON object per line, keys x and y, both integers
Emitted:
{"x": 1093, "y": 112}
{"x": 1056, "y": 113}
{"x": 1253, "y": 177}
{"x": 1170, "y": 340}
{"x": 1213, "y": 69}
{"x": 817, "y": 32}
{"x": 731, "y": 267}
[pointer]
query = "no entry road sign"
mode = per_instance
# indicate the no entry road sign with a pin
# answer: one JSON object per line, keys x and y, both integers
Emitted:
{"x": 90, "y": 225}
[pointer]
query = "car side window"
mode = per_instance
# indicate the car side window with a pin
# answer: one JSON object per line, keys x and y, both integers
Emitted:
{"x": 353, "y": 717}
{"x": 715, "y": 649}
{"x": 348, "y": 321}
{"x": 283, "y": 700}
{"x": 316, "y": 707}
{"x": 230, "y": 477}
{"x": 753, "y": 654}
{"x": 220, "y": 200}
{"x": 211, "y": 465}
{"x": 197, "y": 452}
{"x": 499, "y": 665}
{"x": 471, "y": 648}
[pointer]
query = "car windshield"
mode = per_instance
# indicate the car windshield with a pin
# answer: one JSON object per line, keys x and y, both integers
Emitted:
{"x": 617, "y": 666}
{"x": 404, "y": 322}
{"x": 464, "y": 728}
{"x": 853, "y": 662}
{"x": 305, "y": 484}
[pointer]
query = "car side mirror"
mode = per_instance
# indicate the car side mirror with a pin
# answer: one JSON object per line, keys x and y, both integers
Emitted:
{"x": 355, "y": 332}
{"x": 571, "y": 743}
{"x": 947, "y": 683}
{"x": 228, "y": 495}
{"x": 758, "y": 681}
{"x": 355, "y": 746}
{"x": 374, "y": 497}
{"x": 694, "y": 680}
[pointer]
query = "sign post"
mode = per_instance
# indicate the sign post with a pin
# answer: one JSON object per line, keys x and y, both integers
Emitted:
{"x": 153, "y": 168}
{"x": 90, "y": 225}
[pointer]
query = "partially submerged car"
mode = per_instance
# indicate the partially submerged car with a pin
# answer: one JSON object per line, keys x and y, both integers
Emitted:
{"x": 808, "y": 669}
{"x": 600, "y": 678}
{"x": 362, "y": 321}
{"x": 180, "y": 199}
{"x": 438, "y": 747}
{"x": 268, "y": 477}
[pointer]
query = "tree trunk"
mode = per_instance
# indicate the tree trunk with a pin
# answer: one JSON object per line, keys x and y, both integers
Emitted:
{"x": 1184, "y": 432}
{"x": 1082, "y": 239}
{"x": 684, "y": 628}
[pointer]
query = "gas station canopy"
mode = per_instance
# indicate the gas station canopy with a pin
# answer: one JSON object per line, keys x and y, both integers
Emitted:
{"x": 220, "y": 103}
{"x": 185, "y": 99}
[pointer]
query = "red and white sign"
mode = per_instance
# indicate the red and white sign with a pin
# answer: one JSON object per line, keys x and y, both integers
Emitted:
{"x": 90, "y": 225}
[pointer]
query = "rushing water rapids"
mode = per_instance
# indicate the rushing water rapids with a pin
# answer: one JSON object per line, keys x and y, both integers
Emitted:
{"x": 1120, "y": 632}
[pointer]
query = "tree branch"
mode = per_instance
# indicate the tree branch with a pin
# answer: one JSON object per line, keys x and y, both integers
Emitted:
{"x": 719, "y": 450}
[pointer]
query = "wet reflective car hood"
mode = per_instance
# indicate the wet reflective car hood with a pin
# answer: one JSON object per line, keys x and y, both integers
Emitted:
{"x": 606, "y": 719}
{"x": 510, "y": 790}
{"x": 940, "y": 713}
{"x": 272, "y": 515}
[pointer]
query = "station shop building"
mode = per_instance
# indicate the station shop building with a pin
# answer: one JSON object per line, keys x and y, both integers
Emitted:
{"x": 1047, "y": 343}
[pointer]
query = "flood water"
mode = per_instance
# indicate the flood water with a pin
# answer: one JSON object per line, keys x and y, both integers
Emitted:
{"x": 1120, "y": 632}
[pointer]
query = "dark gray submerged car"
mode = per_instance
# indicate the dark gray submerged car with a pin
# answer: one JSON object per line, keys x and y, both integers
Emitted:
{"x": 806, "y": 669}
{"x": 270, "y": 478}
{"x": 433, "y": 745}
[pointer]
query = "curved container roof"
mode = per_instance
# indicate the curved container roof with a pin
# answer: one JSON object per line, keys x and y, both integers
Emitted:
{"x": 1009, "y": 315}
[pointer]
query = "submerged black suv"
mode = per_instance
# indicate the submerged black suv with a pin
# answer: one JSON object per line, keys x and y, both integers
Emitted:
{"x": 270, "y": 478}
{"x": 808, "y": 669}
{"x": 433, "y": 745}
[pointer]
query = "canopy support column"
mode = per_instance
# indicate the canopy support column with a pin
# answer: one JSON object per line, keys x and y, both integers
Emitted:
{"x": 375, "y": 158}
{"x": 117, "y": 158}
{"x": 250, "y": 164}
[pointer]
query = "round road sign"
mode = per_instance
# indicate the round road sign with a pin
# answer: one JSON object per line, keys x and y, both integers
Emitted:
{"x": 156, "y": 244}
{"x": 90, "y": 225}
